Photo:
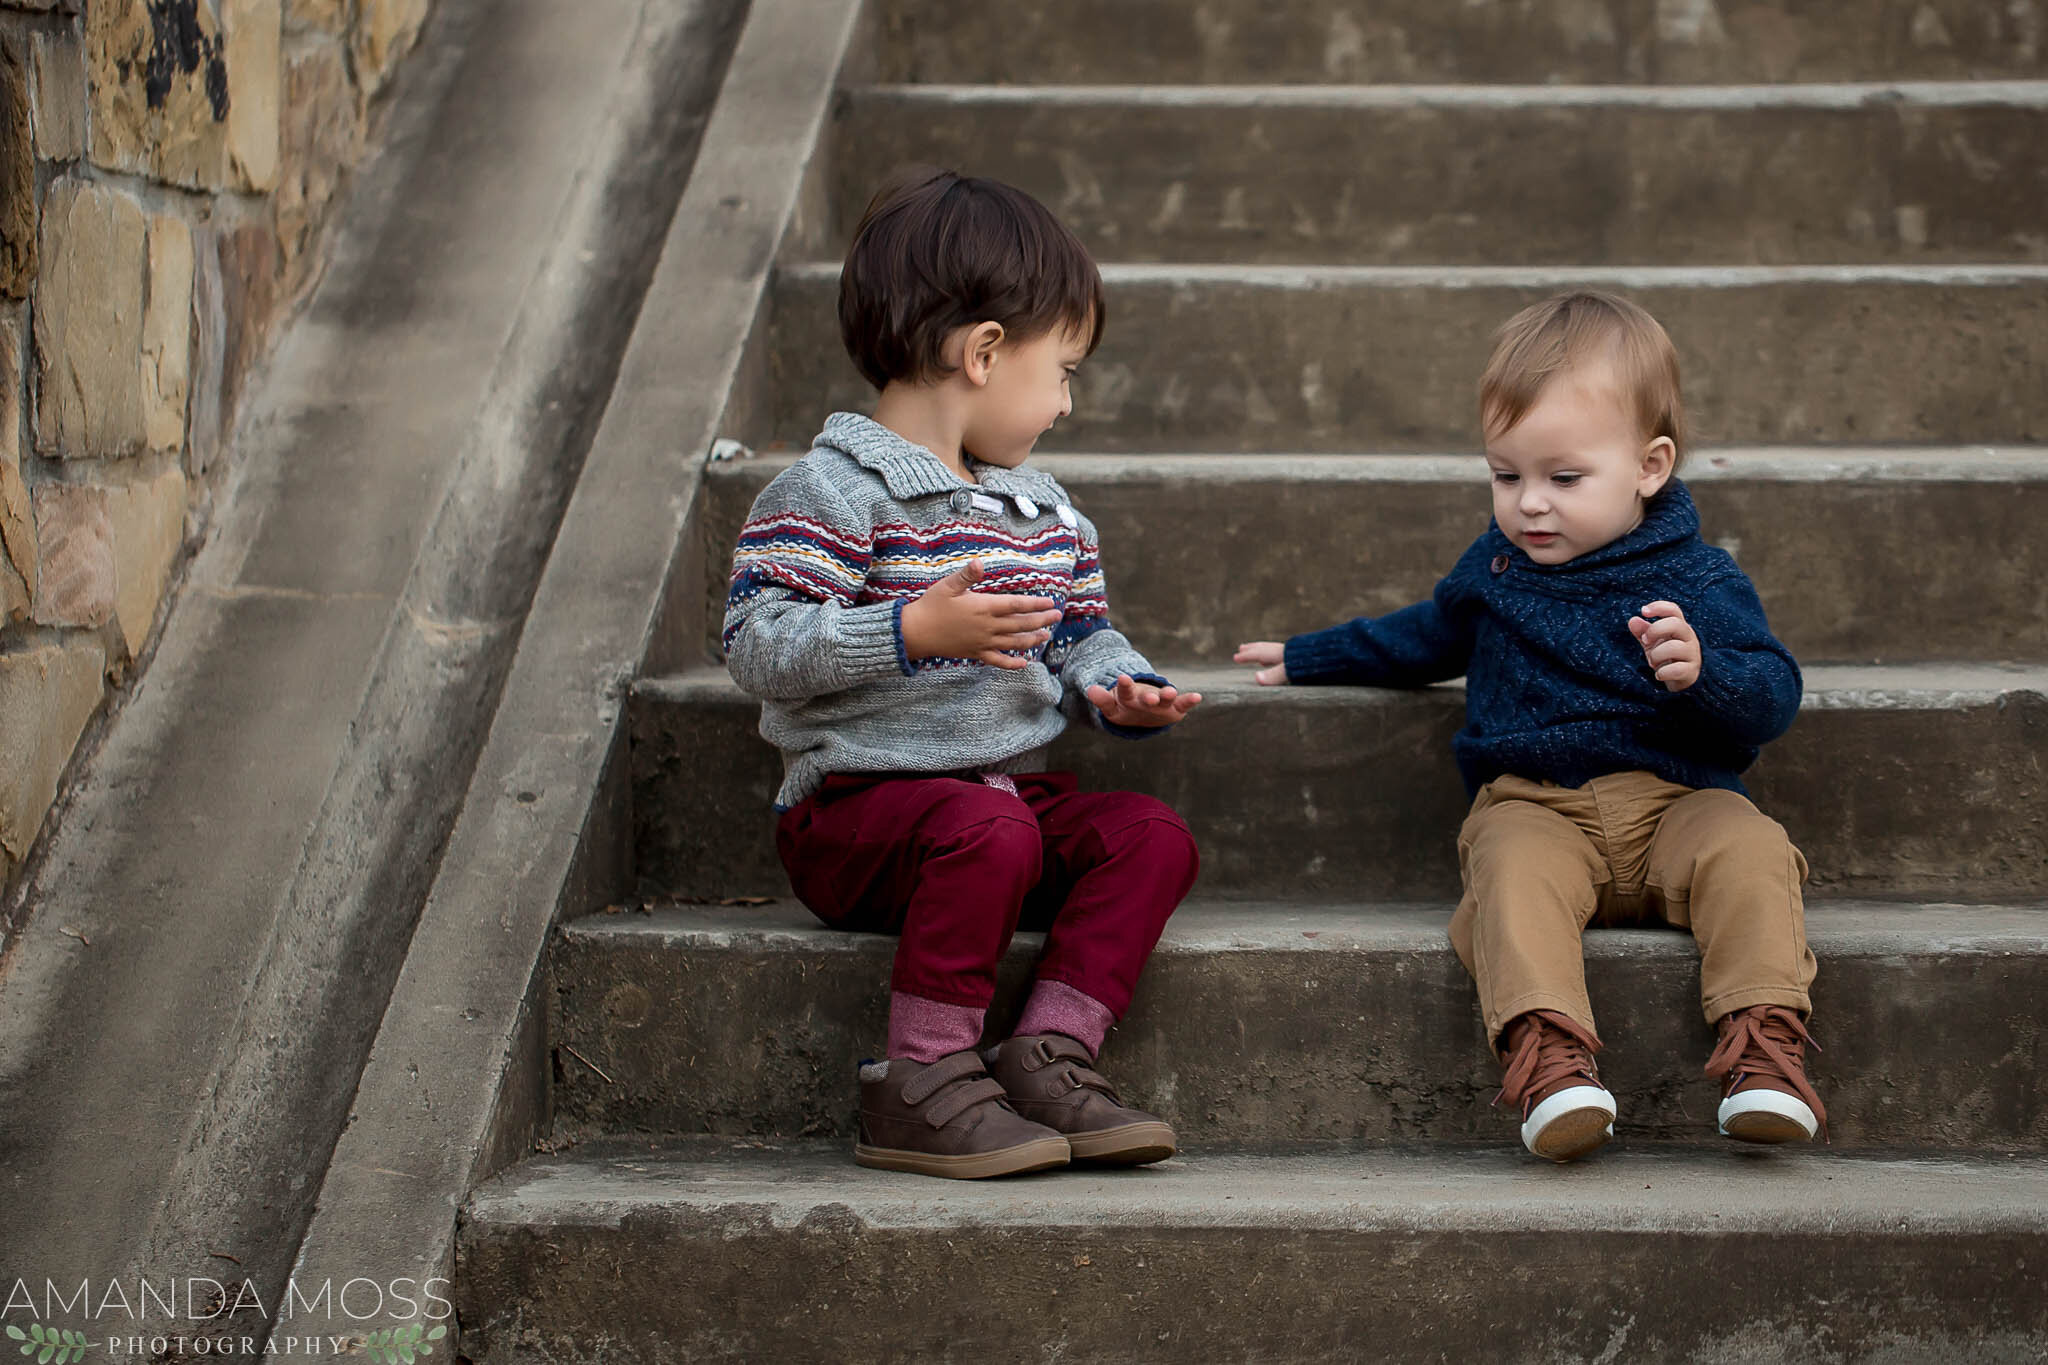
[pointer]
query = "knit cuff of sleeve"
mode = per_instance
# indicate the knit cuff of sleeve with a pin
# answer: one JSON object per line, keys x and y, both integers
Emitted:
{"x": 1319, "y": 656}
{"x": 1109, "y": 726}
{"x": 871, "y": 642}
{"x": 1713, "y": 692}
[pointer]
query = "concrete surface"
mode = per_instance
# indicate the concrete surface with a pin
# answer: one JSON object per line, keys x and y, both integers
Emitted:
{"x": 221, "y": 913}
{"x": 1305, "y": 1012}
{"x": 1486, "y": 175}
{"x": 1336, "y": 358}
{"x": 1925, "y": 780}
{"x": 1259, "y": 1024}
{"x": 1551, "y": 41}
{"x": 1860, "y": 556}
{"x": 1481, "y": 1255}
{"x": 456, "y": 1085}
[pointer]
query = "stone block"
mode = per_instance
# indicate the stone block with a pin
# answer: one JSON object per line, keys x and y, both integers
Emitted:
{"x": 46, "y": 697}
{"x": 322, "y": 136}
{"x": 59, "y": 98}
{"x": 248, "y": 281}
{"x": 148, "y": 522}
{"x": 203, "y": 433}
{"x": 254, "y": 88}
{"x": 182, "y": 95}
{"x": 89, "y": 310}
{"x": 384, "y": 31}
{"x": 17, "y": 526}
{"x": 77, "y": 580}
{"x": 17, "y": 174}
{"x": 167, "y": 333}
{"x": 323, "y": 16}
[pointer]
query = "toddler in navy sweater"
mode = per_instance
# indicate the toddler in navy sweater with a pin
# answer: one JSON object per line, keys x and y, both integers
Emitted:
{"x": 1619, "y": 677}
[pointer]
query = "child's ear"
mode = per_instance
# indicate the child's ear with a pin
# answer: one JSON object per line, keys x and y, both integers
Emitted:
{"x": 1660, "y": 457}
{"x": 978, "y": 351}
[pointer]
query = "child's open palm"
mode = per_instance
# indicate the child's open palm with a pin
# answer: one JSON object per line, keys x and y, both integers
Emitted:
{"x": 1670, "y": 645}
{"x": 1141, "y": 704}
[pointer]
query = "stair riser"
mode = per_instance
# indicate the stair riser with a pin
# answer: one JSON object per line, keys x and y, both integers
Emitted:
{"x": 1530, "y": 182}
{"x": 1850, "y": 569}
{"x": 1251, "y": 1047}
{"x": 1317, "y": 361}
{"x": 1347, "y": 794}
{"x": 733, "y": 1282}
{"x": 1568, "y": 41}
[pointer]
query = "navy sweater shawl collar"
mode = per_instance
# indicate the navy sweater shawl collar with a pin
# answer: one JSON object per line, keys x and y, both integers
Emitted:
{"x": 1669, "y": 520}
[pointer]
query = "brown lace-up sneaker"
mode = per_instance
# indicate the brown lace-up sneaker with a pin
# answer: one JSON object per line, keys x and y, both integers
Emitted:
{"x": 1051, "y": 1079}
{"x": 1566, "y": 1112}
{"x": 948, "y": 1119}
{"x": 1761, "y": 1061}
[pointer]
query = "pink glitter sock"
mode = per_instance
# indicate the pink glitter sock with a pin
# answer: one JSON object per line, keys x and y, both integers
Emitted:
{"x": 1056, "y": 1007}
{"x": 926, "y": 1030}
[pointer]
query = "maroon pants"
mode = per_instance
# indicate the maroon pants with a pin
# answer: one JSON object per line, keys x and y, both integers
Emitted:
{"x": 955, "y": 867}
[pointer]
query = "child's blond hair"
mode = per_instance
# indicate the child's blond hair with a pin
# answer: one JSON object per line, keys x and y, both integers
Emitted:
{"x": 1564, "y": 332}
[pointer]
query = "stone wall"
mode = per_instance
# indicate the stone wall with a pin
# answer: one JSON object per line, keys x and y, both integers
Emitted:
{"x": 165, "y": 170}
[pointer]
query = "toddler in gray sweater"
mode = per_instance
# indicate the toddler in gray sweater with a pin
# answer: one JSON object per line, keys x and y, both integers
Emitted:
{"x": 921, "y": 613}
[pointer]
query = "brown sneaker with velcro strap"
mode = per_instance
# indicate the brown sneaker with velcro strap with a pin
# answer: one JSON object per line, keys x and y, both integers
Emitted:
{"x": 948, "y": 1119}
{"x": 1051, "y": 1079}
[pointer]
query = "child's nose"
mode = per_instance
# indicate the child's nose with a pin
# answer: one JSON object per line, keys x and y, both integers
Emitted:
{"x": 1066, "y": 404}
{"x": 1534, "y": 503}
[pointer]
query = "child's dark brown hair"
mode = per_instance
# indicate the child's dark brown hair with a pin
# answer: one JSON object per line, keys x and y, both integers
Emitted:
{"x": 937, "y": 251}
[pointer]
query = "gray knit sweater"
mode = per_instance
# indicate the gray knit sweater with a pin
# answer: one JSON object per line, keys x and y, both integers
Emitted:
{"x": 832, "y": 551}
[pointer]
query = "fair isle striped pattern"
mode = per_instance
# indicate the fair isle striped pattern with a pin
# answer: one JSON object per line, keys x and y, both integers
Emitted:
{"x": 834, "y": 549}
{"x": 898, "y": 561}
{"x": 800, "y": 553}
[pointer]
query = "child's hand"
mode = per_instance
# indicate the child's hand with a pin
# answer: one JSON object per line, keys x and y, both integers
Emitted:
{"x": 1272, "y": 658}
{"x": 1669, "y": 643}
{"x": 950, "y": 620}
{"x": 1142, "y": 704}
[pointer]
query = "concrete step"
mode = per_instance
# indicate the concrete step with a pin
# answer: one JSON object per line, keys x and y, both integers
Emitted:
{"x": 1400, "y": 1256}
{"x": 1487, "y": 175}
{"x": 1567, "y": 41}
{"x": 1274, "y": 1023}
{"x": 1924, "y": 780}
{"x": 1322, "y": 359}
{"x": 1869, "y": 556}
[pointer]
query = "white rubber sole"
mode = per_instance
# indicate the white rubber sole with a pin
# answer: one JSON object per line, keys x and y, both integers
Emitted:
{"x": 1767, "y": 1116}
{"x": 1570, "y": 1124}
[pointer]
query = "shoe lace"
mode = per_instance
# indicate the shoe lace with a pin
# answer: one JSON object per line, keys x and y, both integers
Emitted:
{"x": 953, "y": 1085}
{"x": 1547, "y": 1051}
{"x": 1768, "y": 1041}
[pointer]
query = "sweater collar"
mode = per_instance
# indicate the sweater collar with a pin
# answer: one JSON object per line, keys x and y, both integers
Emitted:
{"x": 1669, "y": 518}
{"x": 911, "y": 471}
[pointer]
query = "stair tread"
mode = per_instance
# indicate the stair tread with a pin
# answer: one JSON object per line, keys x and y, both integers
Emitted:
{"x": 1888, "y": 686}
{"x": 1847, "y": 95}
{"x": 2005, "y": 464}
{"x": 1712, "y": 1191}
{"x": 1835, "y": 928}
{"x": 1325, "y": 276}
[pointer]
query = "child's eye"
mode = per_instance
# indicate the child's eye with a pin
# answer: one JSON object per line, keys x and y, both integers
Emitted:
{"x": 1502, "y": 476}
{"x": 1565, "y": 480}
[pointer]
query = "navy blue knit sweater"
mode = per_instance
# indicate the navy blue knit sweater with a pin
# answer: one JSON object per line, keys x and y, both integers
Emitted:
{"x": 1556, "y": 687}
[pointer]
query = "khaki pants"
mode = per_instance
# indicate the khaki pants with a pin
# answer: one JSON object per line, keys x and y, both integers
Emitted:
{"x": 1540, "y": 862}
